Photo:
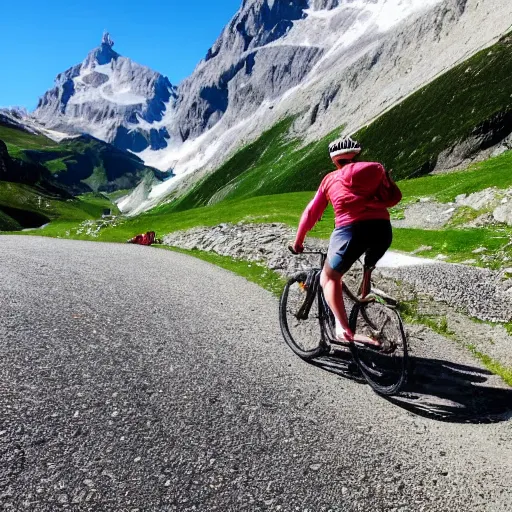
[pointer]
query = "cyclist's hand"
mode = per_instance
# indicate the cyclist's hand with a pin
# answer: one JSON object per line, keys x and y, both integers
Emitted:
{"x": 295, "y": 249}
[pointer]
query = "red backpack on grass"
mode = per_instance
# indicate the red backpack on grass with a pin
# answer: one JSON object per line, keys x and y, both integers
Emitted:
{"x": 143, "y": 239}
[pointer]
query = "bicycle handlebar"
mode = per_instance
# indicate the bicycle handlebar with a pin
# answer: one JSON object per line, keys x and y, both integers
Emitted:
{"x": 293, "y": 251}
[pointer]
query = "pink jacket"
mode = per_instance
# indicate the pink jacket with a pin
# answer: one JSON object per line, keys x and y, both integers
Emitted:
{"x": 359, "y": 191}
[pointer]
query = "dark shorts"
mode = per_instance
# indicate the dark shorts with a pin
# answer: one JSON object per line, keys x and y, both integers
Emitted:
{"x": 349, "y": 243}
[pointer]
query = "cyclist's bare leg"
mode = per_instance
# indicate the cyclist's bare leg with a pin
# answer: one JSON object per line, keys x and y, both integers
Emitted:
{"x": 331, "y": 282}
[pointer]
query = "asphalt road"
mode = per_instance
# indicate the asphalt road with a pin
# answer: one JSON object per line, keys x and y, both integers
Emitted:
{"x": 133, "y": 378}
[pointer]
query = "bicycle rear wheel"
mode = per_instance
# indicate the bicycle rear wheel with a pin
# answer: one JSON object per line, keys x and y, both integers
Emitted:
{"x": 300, "y": 326}
{"x": 384, "y": 369}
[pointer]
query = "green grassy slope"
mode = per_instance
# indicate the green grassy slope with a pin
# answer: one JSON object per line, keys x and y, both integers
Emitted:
{"x": 18, "y": 140}
{"x": 273, "y": 164}
{"x": 81, "y": 164}
{"x": 456, "y": 244}
{"x": 495, "y": 172}
{"x": 410, "y": 137}
{"x": 26, "y": 206}
{"x": 7, "y": 223}
{"x": 78, "y": 165}
{"x": 85, "y": 163}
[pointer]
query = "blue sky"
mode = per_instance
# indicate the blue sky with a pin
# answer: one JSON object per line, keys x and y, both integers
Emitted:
{"x": 41, "y": 38}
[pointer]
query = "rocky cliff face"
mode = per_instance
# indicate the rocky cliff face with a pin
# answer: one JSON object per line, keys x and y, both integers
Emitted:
{"x": 236, "y": 71}
{"x": 112, "y": 98}
{"x": 328, "y": 62}
{"x": 267, "y": 49}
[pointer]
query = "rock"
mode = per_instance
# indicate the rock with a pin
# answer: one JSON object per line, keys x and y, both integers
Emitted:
{"x": 422, "y": 248}
{"x": 503, "y": 213}
{"x": 481, "y": 221}
{"x": 479, "y": 292}
{"x": 482, "y": 199}
{"x": 252, "y": 242}
{"x": 425, "y": 215}
{"x": 63, "y": 498}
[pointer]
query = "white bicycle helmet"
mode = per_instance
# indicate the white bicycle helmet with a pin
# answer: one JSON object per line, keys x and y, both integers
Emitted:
{"x": 344, "y": 146}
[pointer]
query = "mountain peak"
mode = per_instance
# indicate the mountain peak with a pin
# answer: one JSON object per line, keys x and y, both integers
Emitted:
{"x": 107, "y": 40}
{"x": 104, "y": 53}
{"x": 111, "y": 98}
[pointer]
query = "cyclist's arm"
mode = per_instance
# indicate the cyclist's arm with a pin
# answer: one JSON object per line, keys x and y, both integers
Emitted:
{"x": 312, "y": 214}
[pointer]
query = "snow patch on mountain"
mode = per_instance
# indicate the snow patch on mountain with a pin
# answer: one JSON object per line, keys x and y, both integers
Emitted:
{"x": 184, "y": 159}
{"x": 107, "y": 86}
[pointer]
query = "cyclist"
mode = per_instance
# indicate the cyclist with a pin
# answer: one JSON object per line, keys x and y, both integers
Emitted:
{"x": 361, "y": 193}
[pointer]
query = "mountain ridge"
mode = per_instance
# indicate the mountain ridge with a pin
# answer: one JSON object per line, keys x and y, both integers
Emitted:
{"x": 377, "y": 73}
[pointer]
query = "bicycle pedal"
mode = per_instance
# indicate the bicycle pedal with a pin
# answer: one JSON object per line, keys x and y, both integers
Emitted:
{"x": 337, "y": 349}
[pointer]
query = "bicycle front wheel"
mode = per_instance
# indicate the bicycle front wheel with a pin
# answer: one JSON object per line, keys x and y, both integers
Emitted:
{"x": 299, "y": 316}
{"x": 385, "y": 369}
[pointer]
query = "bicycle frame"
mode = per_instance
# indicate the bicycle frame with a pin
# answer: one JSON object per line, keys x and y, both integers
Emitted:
{"x": 323, "y": 258}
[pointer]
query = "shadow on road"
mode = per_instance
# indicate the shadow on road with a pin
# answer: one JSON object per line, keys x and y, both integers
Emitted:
{"x": 440, "y": 390}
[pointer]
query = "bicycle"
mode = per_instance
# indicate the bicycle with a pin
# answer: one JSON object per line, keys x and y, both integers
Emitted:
{"x": 385, "y": 368}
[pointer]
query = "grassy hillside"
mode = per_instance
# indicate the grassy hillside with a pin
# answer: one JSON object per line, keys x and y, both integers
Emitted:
{"x": 273, "y": 164}
{"x": 7, "y": 223}
{"x": 82, "y": 164}
{"x": 45, "y": 171}
{"x": 408, "y": 139}
{"x": 18, "y": 140}
{"x": 26, "y": 206}
{"x": 495, "y": 172}
{"x": 456, "y": 244}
